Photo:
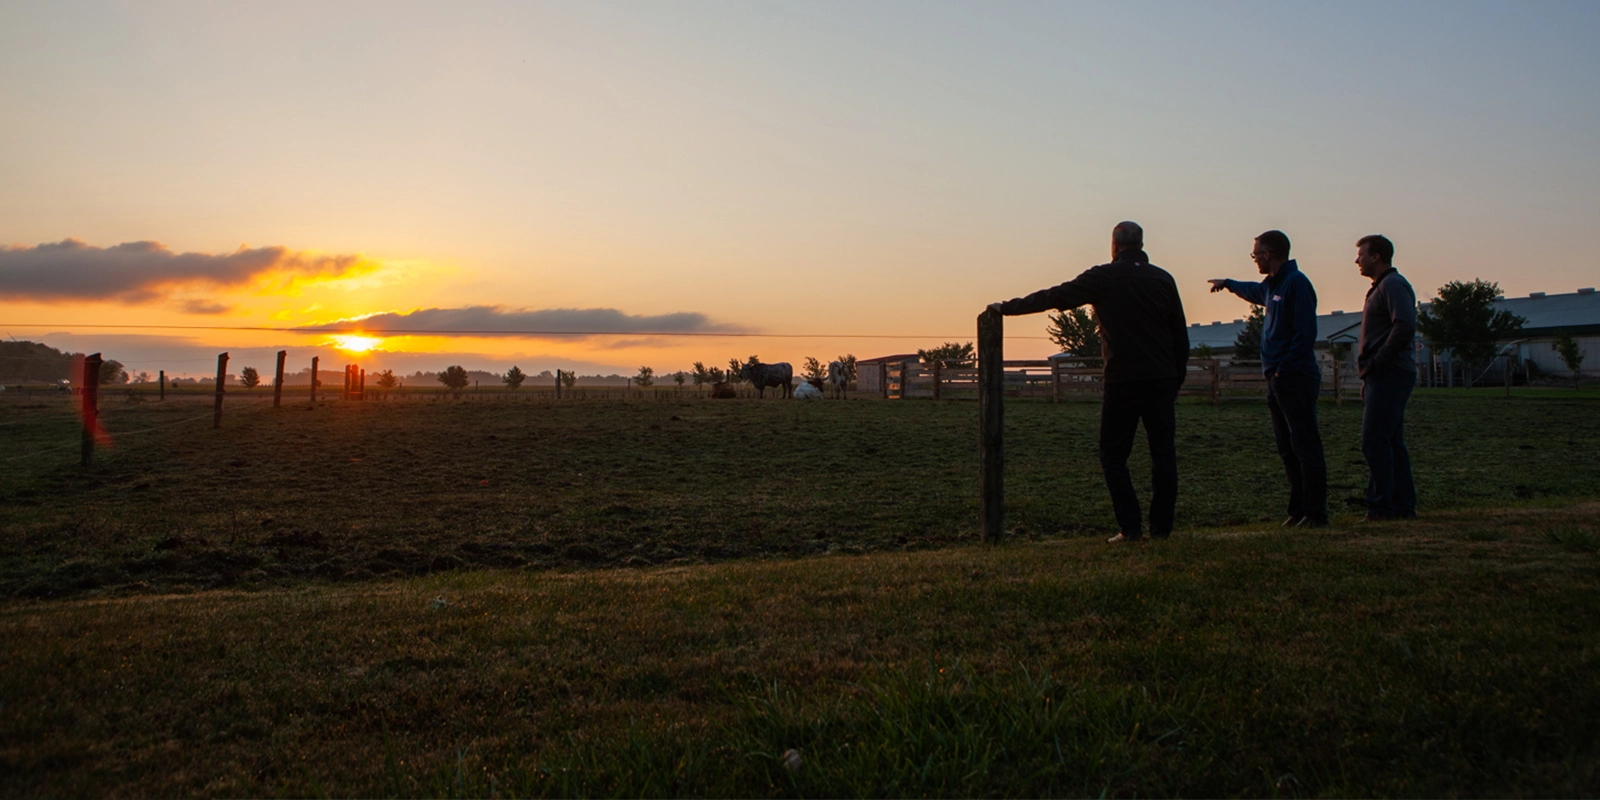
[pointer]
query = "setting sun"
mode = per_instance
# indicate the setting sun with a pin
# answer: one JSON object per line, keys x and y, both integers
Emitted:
{"x": 356, "y": 344}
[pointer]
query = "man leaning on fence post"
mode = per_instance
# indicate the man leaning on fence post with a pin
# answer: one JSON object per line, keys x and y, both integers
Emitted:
{"x": 1144, "y": 340}
{"x": 1294, "y": 379}
{"x": 1388, "y": 372}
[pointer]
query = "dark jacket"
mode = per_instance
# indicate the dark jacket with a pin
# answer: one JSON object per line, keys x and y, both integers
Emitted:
{"x": 1143, "y": 334}
{"x": 1289, "y": 332}
{"x": 1388, "y": 325}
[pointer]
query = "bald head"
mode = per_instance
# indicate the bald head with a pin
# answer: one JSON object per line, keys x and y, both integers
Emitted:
{"x": 1126, "y": 236}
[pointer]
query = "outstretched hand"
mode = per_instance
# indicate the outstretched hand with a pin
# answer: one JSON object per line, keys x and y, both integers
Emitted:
{"x": 1218, "y": 284}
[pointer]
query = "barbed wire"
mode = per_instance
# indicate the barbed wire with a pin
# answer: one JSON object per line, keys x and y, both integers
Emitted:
{"x": 119, "y": 434}
{"x": 511, "y": 332}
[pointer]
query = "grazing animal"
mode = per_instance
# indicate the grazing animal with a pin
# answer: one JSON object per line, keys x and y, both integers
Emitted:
{"x": 723, "y": 390}
{"x": 838, "y": 378}
{"x": 807, "y": 390}
{"x": 763, "y": 375}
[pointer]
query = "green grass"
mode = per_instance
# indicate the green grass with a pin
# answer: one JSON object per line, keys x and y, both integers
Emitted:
{"x": 662, "y": 598}
{"x": 1407, "y": 659}
{"x": 352, "y": 492}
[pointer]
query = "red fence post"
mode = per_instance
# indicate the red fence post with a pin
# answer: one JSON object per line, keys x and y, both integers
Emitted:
{"x": 89, "y": 396}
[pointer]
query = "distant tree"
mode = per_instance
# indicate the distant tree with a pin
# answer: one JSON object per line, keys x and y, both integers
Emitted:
{"x": 813, "y": 370}
{"x": 1567, "y": 348}
{"x": 645, "y": 378}
{"x": 716, "y": 375}
{"x": 454, "y": 377}
{"x": 701, "y": 375}
{"x": 1463, "y": 321}
{"x": 1247, "y": 345}
{"x": 1201, "y": 351}
{"x": 569, "y": 378}
{"x": 32, "y": 361}
{"x": 514, "y": 377}
{"x": 849, "y": 362}
{"x": 141, "y": 377}
{"x": 734, "y": 367}
{"x": 249, "y": 378}
{"x": 1075, "y": 331}
{"x": 112, "y": 372}
{"x": 679, "y": 377}
{"x": 387, "y": 379}
{"x": 948, "y": 355}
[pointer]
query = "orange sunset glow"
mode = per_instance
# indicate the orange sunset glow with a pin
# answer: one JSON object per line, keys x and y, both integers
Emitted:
{"x": 506, "y": 199}
{"x": 356, "y": 344}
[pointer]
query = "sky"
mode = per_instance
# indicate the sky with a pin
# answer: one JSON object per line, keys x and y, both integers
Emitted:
{"x": 599, "y": 186}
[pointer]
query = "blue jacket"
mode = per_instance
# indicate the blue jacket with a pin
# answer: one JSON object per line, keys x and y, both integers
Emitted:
{"x": 1291, "y": 324}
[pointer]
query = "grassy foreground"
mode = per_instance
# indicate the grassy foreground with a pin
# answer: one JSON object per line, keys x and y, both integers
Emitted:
{"x": 1454, "y": 655}
{"x": 351, "y": 492}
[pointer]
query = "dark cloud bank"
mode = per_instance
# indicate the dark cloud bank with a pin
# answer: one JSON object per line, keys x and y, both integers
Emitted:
{"x": 499, "y": 321}
{"x": 139, "y": 272}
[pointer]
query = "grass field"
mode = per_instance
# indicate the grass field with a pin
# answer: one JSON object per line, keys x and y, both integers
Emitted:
{"x": 474, "y": 598}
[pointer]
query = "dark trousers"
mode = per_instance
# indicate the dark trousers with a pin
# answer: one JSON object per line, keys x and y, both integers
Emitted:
{"x": 1125, "y": 405}
{"x": 1390, "y": 492}
{"x": 1292, "y": 401}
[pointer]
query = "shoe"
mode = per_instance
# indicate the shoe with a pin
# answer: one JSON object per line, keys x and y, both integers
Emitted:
{"x": 1122, "y": 537}
{"x": 1293, "y": 521}
{"x": 1309, "y": 522}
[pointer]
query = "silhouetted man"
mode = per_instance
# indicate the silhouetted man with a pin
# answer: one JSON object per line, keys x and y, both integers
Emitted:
{"x": 1388, "y": 372}
{"x": 1293, "y": 378}
{"x": 1145, "y": 342}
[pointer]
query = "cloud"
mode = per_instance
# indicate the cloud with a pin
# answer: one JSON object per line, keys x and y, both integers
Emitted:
{"x": 143, "y": 272}
{"x": 500, "y": 321}
{"x": 203, "y": 307}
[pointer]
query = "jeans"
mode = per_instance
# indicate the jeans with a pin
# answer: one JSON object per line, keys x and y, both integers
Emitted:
{"x": 1390, "y": 492}
{"x": 1125, "y": 404}
{"x": 1292, "y": 402}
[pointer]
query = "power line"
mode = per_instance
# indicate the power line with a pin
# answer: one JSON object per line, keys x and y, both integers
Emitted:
{"x": 430, "y": 332}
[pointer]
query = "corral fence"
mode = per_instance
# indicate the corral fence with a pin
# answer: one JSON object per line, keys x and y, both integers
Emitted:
{"x": 1058, "y": 379}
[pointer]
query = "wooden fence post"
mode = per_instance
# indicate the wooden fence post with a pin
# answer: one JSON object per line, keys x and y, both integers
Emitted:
{"x": 277, "y": 383}
{"x": 163, "y": 394}
{"x": 314, "y": 360}
{"x": 1338, "y": 394}
{"x": 222, "y": 375}
{"x": 89, "y": 396}
{"x": 936, "y": 372}
{"x": 883, "y": 378}
{"x": 991, "y": 420}
{"x": 361, "y": 389}
{"x": 558, "y": 384}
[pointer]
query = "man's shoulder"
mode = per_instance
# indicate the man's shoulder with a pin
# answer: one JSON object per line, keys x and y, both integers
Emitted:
{"x": 1130, "y": 268}
{"x": 1299, "y": 278}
